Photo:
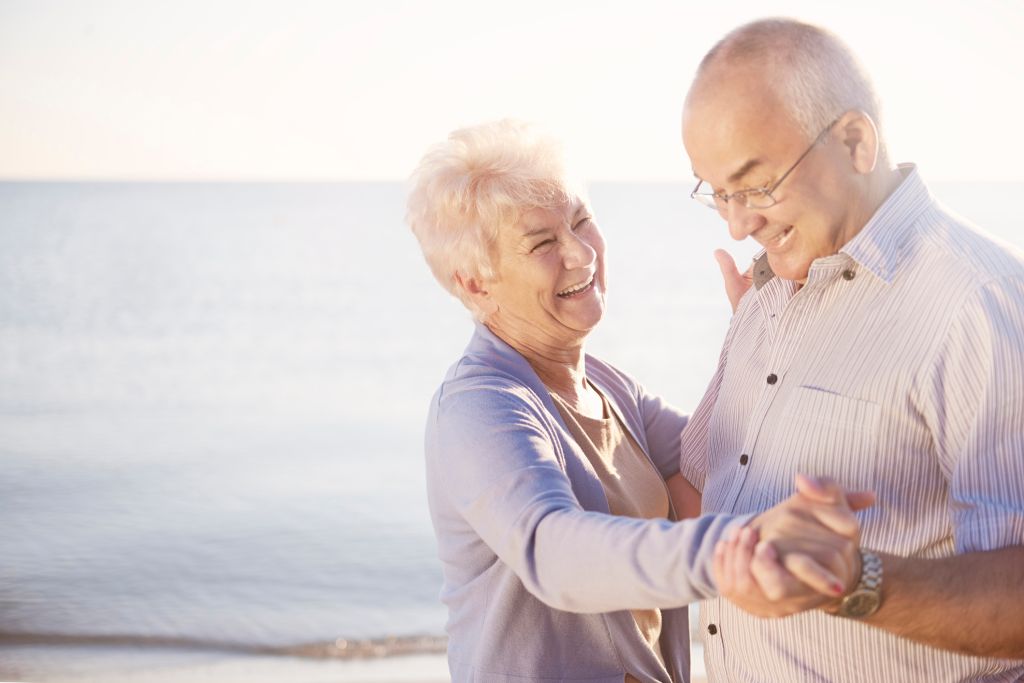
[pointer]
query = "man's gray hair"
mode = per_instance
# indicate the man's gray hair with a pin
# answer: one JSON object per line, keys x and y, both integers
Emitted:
{"x": 818, "y": 77}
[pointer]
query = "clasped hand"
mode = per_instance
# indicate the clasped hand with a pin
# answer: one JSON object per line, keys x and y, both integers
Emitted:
{"x": 801, "y": 554}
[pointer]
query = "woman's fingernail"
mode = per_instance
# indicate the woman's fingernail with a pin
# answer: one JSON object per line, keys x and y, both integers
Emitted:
{"x": 765, "y": 549}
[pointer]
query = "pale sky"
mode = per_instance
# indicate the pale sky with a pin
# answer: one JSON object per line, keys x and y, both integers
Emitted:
{"x": 296, "y": 90}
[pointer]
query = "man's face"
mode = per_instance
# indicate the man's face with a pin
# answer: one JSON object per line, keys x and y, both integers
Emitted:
{"x": 739, "y": 136}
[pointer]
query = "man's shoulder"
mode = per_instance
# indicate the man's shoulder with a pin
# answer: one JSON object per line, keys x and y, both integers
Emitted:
{"x": 956, "y": 246}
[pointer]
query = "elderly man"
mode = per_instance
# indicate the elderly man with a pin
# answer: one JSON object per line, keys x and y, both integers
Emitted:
{"x": 882, "y": 344}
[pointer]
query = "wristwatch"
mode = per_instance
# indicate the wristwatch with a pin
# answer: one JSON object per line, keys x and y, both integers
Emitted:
{"x": 865, "y": 598}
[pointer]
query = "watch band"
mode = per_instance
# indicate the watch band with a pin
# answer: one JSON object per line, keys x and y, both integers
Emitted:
{"x": 865, "y": 599}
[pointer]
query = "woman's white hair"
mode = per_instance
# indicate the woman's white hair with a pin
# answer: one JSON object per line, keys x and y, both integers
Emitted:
{"x": 478, "y": 181}
{"x": 818, "y": 77}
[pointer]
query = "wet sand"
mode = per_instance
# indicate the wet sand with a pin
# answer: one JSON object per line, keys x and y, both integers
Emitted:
{"x": 100, "y": 664}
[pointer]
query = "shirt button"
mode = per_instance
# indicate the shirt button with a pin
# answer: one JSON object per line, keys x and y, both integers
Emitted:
{"x": 848, "y": 274}
{"x": 772, "y": 378}
{"x": 744, "y": 459}
{"x": 712, "y": 629}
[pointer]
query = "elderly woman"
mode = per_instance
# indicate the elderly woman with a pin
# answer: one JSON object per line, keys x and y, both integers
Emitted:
{"x": 553, "y": 477}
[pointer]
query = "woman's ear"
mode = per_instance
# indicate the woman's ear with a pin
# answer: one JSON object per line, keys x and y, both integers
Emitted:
{"x": 476, "y": 291}
{"x": 859, "y": 134}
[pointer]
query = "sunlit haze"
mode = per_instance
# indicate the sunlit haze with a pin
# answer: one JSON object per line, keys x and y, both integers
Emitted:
{"x": 237, "y": 90}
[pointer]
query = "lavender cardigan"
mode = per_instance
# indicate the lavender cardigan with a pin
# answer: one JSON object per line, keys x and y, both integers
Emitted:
{"x": 538, "y": 576}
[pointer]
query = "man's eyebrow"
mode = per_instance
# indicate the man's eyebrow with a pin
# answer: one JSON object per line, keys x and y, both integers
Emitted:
{"x": 738, "y": 175}
{"x": 744, "y": 170}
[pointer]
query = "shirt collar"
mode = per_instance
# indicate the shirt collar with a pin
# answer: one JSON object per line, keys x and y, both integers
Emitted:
{"x": 879, "y": 245}
{"x": 761, "y": 271}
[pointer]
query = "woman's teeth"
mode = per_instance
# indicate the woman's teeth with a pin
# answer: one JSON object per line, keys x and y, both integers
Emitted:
{"x": 576, "y": 289}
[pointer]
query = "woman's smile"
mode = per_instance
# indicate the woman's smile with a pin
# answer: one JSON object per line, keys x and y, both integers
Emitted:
{"x": 577, "y": 289}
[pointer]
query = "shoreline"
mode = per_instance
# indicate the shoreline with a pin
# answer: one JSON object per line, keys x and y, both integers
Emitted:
{"x": 87, "y": 663}
{"x": 340, "y": 648}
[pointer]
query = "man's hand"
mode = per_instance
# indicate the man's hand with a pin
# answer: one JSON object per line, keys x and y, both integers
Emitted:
{"x": 799, "y": 555}
{"x": 736, "y": 283}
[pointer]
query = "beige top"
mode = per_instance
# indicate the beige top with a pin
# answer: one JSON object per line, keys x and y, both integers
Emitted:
{"x": 633, "y": 486}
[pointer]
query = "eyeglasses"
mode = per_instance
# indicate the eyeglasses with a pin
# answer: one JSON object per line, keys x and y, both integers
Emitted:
{"x": 754, "y": 198}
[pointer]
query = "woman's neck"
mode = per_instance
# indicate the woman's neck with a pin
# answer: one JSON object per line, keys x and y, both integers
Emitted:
{"x": 562, "y": 368}
{"x": 567, "y": 379}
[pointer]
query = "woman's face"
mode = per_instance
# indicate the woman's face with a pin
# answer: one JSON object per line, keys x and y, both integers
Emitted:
{"x": 549, "y": 286}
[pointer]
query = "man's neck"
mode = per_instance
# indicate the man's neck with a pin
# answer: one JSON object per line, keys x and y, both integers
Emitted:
{"x": 878, "y": 187}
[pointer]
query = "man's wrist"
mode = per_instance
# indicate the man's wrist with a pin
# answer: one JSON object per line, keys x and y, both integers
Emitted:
{"x": 866, "y": 596}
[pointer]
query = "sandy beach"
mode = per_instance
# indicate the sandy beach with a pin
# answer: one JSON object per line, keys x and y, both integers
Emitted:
{"x": 100, "y": 664}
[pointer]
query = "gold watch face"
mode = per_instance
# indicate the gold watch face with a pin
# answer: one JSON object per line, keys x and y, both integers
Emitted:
{"x": 860, "y": 603}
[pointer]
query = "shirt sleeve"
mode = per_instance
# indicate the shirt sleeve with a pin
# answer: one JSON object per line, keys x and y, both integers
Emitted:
{"x": 977, "y": 416}
{"x": 693, "y": 448}
{"x": 503, "y": 474}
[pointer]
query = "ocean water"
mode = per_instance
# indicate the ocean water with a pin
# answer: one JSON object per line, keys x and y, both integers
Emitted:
{"x": 212, "y": 399}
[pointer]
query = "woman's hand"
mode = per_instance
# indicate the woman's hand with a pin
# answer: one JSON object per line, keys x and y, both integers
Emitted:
{"x": 799, "y": 555}
{"x": 736, "y": 283}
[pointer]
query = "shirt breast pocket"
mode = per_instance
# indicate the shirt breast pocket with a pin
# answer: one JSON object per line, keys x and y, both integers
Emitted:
{"x": 833, "y": 435}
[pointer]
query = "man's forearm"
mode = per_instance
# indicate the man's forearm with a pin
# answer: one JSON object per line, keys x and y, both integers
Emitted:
{"x": 971, "y": 603}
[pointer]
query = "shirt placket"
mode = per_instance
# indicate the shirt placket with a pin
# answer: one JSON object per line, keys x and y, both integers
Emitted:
{"x": 782, "y": 310}
{"x": 773, "y": 298}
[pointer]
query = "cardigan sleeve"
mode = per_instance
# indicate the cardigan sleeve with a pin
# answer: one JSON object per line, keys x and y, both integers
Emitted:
{"x": 492, "y": 453}
{"x": 694, "y": 445}
{"x": 663, "y": 426}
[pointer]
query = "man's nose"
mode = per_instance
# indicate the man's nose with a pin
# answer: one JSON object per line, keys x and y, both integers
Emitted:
{"x": 743, "y": 222}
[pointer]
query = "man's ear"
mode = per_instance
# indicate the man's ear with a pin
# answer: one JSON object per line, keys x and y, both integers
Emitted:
{"x": 476, "y": 290}
{"x": 859, "y": 134}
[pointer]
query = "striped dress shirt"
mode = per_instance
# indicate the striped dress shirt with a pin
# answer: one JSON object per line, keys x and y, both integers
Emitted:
{"x": 898, "y": 367}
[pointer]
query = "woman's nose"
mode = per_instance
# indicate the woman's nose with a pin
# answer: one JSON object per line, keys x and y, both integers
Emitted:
{"x": 577, "y": 253}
